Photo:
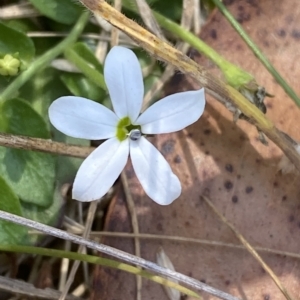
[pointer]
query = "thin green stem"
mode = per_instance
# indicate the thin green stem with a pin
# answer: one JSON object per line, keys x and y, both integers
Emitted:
{"x": 96, "y": 260}
{"x": 257, "y": 51}
{"x": 90, "y": 72}
{"x": 45, "y": 59}
{"x": 235, "y": 76}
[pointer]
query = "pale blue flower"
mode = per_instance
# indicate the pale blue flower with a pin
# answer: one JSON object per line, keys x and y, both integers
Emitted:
{"x": 124, "y": 128}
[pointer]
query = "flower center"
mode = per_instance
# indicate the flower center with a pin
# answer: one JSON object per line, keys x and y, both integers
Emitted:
{"x": 125, "y": 129}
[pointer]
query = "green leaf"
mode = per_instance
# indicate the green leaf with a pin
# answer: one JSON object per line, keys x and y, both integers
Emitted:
{"x": 17, "y": 44}
{"x": 84, "y": 59}
{"x": 42, "y": 89}
{"x": 10, "y": 233}
{"x": 62, "y": 11}
{"x": 81, "y": 86}
{"x": 87, "y": 54}
{"x": 30, "y": 174}
{"x": 50, "y": 215}
{"x": 67, "y": 166}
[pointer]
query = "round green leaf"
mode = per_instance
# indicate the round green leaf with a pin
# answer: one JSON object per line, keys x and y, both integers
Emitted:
{"x": 31, "y": 174}
{"x": 62, "y": 11}
{"x": 10, "y": 233}
{"x": 47, "y": 215}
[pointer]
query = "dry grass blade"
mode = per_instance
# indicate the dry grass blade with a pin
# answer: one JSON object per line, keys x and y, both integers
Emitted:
{"x": 186, "y": 22}
{"x": 187, "y": 13}
{"x": 135, "y": 226}
{"x": 22, "y": 10}
{"x": 148, "y": 18}
{"x": 42, "y": 145}
{"x": 185, "y": 240}
{"x": 163, "y": 260}
{"x": 121, "y": 255}
{"x": 115, "y": 33}
{"x": 249, "y": 248}
{"x": 81, "y": 249}
{"x": 28, "y": 290}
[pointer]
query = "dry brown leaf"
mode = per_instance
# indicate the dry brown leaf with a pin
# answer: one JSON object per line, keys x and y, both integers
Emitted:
{"x": 229, "y": 162}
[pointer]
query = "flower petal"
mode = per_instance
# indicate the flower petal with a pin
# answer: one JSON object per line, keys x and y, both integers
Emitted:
{"x": 124, "y": 80}
{"x": 172, "y": 113}
{"x": 82, "y": 118}
{"x": 154, "y": 172}
{"x": 100, "y": 170}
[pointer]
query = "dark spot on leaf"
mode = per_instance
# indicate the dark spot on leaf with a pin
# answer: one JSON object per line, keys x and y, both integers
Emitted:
{"x": 269, "y": 105}
{"x": 238, "y": 176}
{"x": 207, "y": 152}
{"x": 228, "y": 185}
{"x": 275, "y": 184}
{"x": 159, "y": 227}
{"x": 267, "y": 297}
{"x": 177, "y": 159}
{"x": 258, "y": 161}
{"x": 249, "y": 189}
{"x": 213, "y": 34}
{"x": 284, "y": 198}
{"x": 296, "y": 34}
{"x": 187, "y": 224}
{"x": 227, "y": 282}
{"x": 271, "y": 235}
{"x": 252, "y": 2}
{"x": 167, "y": 147}
{"x": 281, "y": 32}
{"x": 229, "y": 168}
{"x": 239, "y": 47}
{"x": 291, "y": 218}
{"x": 193, "y": 53}
{"x": 206, "y": 192}
{"x": 190, "y": 135}
{"x": 207, "y": 131}
{"x": 203, "y": 280}
{"x": 235, "y": 199}
{"x": 130, "y": 173}
{"x": 243, "y": 17}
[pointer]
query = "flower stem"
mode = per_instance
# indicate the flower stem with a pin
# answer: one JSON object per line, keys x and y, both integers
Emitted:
{"x": 45, "y": 59}
{"x": 257, "y": 51}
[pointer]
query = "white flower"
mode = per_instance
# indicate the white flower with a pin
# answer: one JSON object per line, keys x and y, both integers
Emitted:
{"x": 124, "y": 128}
